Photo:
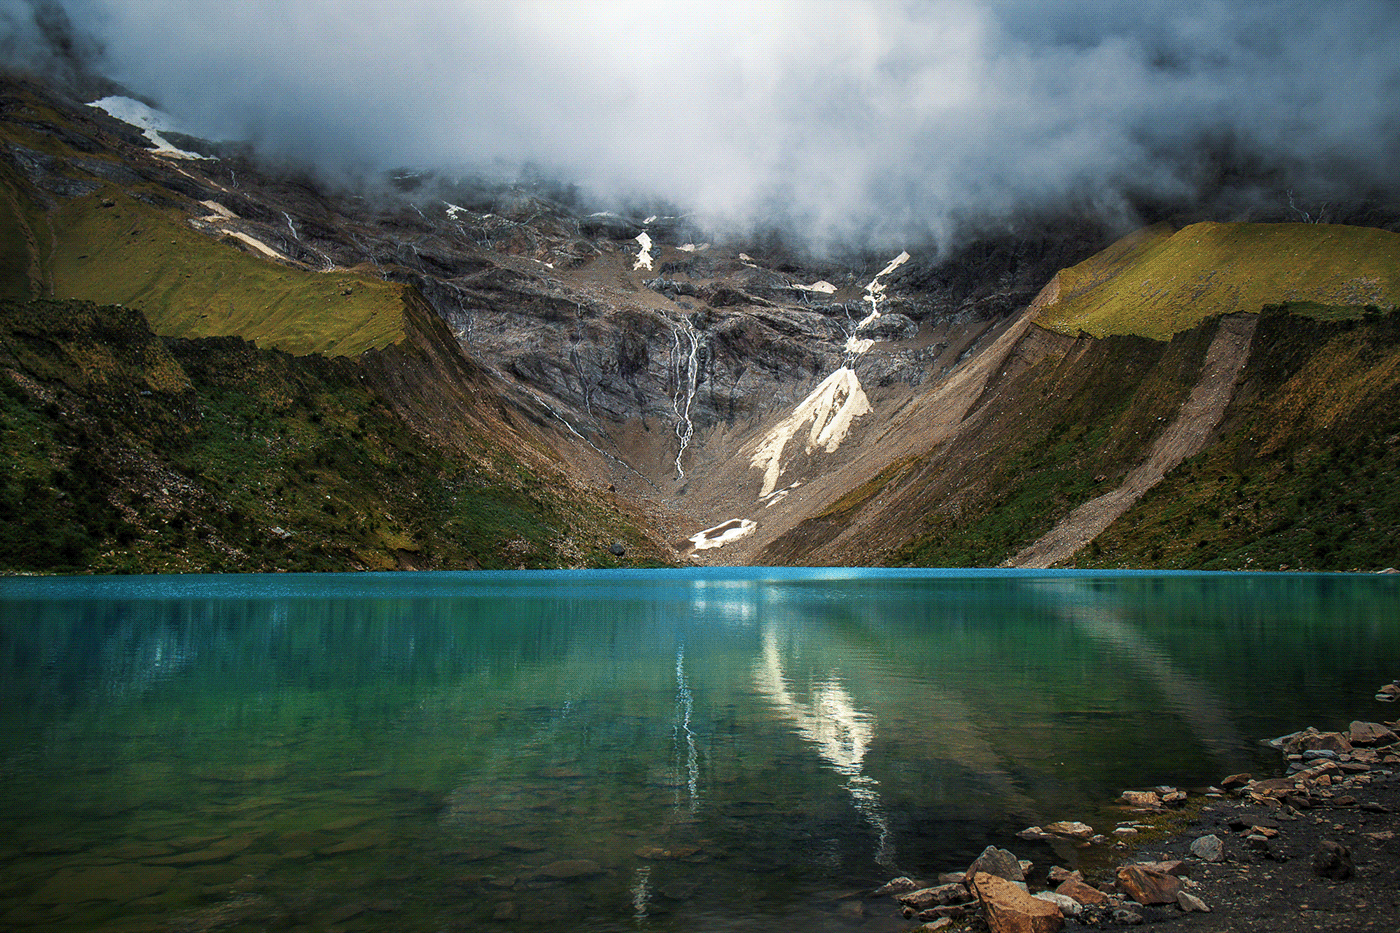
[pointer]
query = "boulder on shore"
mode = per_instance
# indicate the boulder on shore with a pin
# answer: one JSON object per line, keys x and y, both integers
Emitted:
{"x": 1009, "y": 909}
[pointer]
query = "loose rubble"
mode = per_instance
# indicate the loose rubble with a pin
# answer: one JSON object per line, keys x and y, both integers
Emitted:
{"x": 1259, "y": 826}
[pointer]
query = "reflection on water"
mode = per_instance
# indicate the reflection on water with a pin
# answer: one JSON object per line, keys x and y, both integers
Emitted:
{"x": 840, "y": 732}
{"x": 617, "y": 751}
{"x": 686, "y": 750}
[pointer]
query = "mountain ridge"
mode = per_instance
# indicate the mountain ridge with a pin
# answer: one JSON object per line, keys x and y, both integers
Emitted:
{"x": 511, "y": 319}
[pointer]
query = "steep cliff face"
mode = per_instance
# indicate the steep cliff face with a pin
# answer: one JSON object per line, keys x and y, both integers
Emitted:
{"x": 1015, "y": 400}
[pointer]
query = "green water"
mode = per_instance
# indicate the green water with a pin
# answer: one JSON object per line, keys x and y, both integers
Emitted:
{"x": 716, "y": 750}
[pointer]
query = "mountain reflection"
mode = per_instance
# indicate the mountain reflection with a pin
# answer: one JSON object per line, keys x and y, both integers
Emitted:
{"x": 840, "y": 732}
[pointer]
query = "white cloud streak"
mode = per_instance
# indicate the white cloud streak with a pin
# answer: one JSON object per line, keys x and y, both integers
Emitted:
{"x": 875, "y": 117}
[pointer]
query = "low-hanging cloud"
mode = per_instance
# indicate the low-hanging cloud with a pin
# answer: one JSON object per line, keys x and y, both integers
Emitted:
{"x": 851, "y": 118}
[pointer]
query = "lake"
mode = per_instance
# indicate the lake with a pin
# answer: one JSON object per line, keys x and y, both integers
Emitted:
{"x": 730, "y": 749}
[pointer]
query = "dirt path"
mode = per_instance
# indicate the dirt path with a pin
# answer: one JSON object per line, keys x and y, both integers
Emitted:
{"x": 1184, "y": 438}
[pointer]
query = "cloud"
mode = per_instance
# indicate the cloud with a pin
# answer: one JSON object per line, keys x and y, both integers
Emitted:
{"x": 869, "y": 118}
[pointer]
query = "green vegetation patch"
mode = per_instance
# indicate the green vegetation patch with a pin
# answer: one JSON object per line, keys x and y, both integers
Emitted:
{"x": 1304, "y": 474}
{"x": 1068, "y": 430}
{"x": 1155, "y": 284}
{"x": 111, "y": 248}
{"x": 126, "y": 453}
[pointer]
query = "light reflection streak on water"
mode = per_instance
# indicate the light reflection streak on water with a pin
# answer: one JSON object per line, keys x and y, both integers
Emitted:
{"x": 641, "y": 892}
{"x": 1203, "y": 711}
{"x": 841, "y": 733}
{"x": 685, "y": 709}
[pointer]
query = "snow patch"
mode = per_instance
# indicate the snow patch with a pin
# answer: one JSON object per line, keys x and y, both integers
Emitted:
{"x": 857, "y": 346}
{"x": 723, "y": 533}
{"x": 453, "y": 210}
{"x": 219, "y": 211}
{"x": 825, "y": 287}
{"x": 650, "y": 220}
{"x": 258, "y": 245}
{"x": 148, "y": 120}
{"x": 693, "y": 247}
{"x": 778, "y": 495}
{"x": 875, "y": 294}
{"x": 644, "y": 255}
{"x": 830, "y": 409}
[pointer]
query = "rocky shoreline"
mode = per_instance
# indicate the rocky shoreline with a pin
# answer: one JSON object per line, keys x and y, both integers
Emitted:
{"x": 1315, "y": 849}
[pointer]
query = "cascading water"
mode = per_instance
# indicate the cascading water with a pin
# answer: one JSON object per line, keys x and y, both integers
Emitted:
{"x": 292, "y": 227}
{"x": 687, "y": 378}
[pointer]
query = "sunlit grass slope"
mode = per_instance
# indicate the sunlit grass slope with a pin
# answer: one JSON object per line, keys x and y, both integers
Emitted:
{"x": 111, "y": 248}
{"x": 1156, "y": 283}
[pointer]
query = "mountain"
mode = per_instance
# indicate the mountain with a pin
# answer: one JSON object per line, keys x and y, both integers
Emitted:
{"x": 213, "y": 363}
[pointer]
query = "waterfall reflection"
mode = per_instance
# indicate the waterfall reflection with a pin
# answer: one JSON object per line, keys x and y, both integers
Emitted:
{"x": 840, "y": 732}
{"x": 687, "y": 754}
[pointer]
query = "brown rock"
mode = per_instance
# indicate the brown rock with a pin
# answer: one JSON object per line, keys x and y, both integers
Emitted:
{"x": 1333, "y": 860}
{"x": 1145, "y": 799}
{"x": 1082, "y": 892}
{"x": 1273, "y": 787}
{"x": 1311, "y": 740}
{"x": 1236, "y": 780}
{"x": 1148, "y": 886}
{"x": 1058, "y": 874}
{"x": 1009, "y": 909}
{"x": 1074, "y": 830}
{"x": 1370, "y": 733}
{"x": 895, "y": 886}
{"x": 1170, "y": 867}
{"x": 943, "y": 894}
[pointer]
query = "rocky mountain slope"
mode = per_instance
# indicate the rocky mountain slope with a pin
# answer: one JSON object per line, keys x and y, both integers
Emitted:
{"x": 625, "y": 378}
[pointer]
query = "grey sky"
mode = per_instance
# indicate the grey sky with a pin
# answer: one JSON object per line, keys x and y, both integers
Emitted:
{"x": 857, "y": 116}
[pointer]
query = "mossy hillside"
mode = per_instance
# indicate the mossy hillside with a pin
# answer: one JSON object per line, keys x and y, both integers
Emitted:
{"x": 132, "y": 454}
{"x": 115, "y": 249}
{"x": 1304, "y": 475}
{"x": 1069, "y": 429}
{"x": 1155, "y": 284}
{"x": 15, "y": 249}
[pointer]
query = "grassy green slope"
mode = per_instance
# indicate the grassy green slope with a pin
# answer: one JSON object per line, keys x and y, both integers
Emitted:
{"x": 114, "y": 248}
{"x": 134, "y": 244}
{"x": 128, "y": 453}
{"x": 1304, "y": 474}
{"x": 1156, "y": 283}
{"x": 1066, "y": 430}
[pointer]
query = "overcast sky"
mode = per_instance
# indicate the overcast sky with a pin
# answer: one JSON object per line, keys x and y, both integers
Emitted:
{"x": 847, "y": 115}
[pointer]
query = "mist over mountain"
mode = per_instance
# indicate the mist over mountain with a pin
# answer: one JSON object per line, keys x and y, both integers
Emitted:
{"x": 858, "y": 121}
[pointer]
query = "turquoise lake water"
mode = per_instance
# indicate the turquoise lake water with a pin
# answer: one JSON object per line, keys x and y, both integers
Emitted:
{"x": 664, "y": 750}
